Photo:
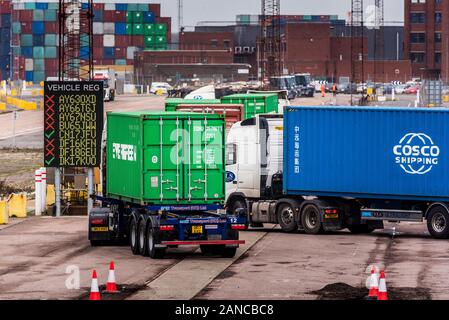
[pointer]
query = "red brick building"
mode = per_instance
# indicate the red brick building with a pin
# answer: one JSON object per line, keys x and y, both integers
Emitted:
{"x": 310, "y": 47}
{"x": 206, "y": 41}
{"x": 427, "y": 37}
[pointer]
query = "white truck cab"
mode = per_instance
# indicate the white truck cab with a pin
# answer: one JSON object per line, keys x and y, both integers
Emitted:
{"x": 254, "y": 159}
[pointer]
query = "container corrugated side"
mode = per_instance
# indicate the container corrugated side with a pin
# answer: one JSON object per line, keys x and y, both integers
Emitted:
{"x": 165, "y": 157}
{"x": 172, "y": 103}
{"x": 385, "y": 153}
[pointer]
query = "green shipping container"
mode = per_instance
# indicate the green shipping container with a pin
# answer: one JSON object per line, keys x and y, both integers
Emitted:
{"x": 132, "y": 7}
{"x": 30, "y": 5}
{"x": 39, "y": 65}
{"x": 138, "y": 29}
{"x": 16, "y": 28}
{"x": 165, "y": 158}
{"x": 142, "y": 7}
{"x": 38, "y": 15}
{"x": 137, "y": 17}
{"x": 129, "y": 28}
{"x": 254, "y": 103}
{"x": 160, "y": 29}
{"x": 129, "y": 17}
{"x": 53, "y": 5}
{"x": 50, "y": 52}
{"x": 149, "y": 41}
{"x": 50, "y": 40}
{"x": 148, "y": 29}
{"x": 161, "y": 40}
{"x": 26, "y": 40}
{"x": 38, "y": 76}
{"x": 50, "y": 15}
{"x": 16, "y": 51}
{"x": 172, "y": 103}
{"x": 120, "y": 62}
{"x": 38, "y": 52}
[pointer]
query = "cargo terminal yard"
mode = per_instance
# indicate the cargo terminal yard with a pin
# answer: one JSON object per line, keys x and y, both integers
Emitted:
{"x": 275, "y": 157}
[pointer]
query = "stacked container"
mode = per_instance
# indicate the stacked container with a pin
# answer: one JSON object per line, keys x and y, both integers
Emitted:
{"x": 5, "y": 39}
{"x": 119, "y": 30}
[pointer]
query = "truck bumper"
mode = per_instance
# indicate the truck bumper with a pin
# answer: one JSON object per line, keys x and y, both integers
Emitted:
{"x": 227, "y": 243}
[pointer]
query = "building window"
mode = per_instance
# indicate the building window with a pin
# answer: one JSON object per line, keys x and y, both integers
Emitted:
{"x": 417, "y": 37}
{"x": 438, "y": 57}
{"x": 438, "y": 17}
{"x": 227, "y": 44}
{"x": 438, "y": 37}
{"x": 417, "y": 17}
{"x": 214, "y": 43}
{"x": 417, "y": 57}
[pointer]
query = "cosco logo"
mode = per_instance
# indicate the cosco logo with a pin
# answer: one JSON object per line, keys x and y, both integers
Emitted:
{"x": 416, "y": 153}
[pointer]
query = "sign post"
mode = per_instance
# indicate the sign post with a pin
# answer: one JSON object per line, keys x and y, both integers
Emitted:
{"x": 73, "y": 125}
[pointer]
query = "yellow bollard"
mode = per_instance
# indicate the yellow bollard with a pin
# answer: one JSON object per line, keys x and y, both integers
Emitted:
{"x": 2, "y": 106}
{"x": 8, "y": 100}
{"x": 41, "y": 92}
{"x": 51, "y": 196}
{"x": 41, "y": 84}
{"x": 3, "y": 212}
{"x": 17, "y": 205}
{"x": 14, "y": 93}
{"x": 446, "y": 98}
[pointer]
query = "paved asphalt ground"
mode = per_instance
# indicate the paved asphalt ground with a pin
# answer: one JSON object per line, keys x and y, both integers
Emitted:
{"x": 38, "y": 251}
{"x": 40, "y": 256}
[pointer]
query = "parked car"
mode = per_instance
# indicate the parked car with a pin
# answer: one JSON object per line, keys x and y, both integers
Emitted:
{"x": 164, "y": 87}
{"x": 388, "y": 88}
{"x": 411, "y": 90}
{"x": 347, "y": 88}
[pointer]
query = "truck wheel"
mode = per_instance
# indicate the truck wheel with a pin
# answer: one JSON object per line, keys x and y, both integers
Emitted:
{"x": 151, "y": 241}
{"x": 142, "y": 234}
{"x": 361, "y": 229}
{"x": 286, "y": 218}
{"x": 207, "y": 249}
{"x": 438, "y": 222}
{"x": 134, "y": 237}
{"x": 235, "y": 205}
{"x": 311, "y": 220}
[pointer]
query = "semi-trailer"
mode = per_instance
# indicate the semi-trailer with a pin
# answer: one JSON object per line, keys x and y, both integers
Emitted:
{"x": 329, "y": 168}
{"x": 163, "y": 177}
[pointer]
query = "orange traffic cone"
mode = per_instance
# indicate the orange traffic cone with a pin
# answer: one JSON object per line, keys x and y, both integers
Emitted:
{"x": 382, "y": 294}
{"x": 111, "y": 286}
{"x": 373, "y": 284}
{"x": 94, "y": 291}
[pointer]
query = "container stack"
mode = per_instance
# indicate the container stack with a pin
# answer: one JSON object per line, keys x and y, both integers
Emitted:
{"x": 5, "y": 39}
{"x": 119, "y": 30}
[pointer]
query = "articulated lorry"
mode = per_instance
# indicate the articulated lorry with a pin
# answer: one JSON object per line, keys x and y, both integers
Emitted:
{"x": 163, "y": 176}
{"x": 109, "y": 82}
{"x": 329, "y": 168}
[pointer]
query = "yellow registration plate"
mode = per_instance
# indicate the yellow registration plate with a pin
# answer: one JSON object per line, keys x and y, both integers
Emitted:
{"x": 100, "y": 229}
{"x": 197, "y": 229}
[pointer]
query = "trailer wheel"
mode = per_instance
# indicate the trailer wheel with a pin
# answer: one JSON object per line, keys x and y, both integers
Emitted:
{"x": 143, "y": 249}
{"x": 286, "y": 218}
{"x": 361, "y": 229}
{"x": 311, "y": 219}
{"x": 438, "y": 222}
{"x": 151, "y": 241}
{"x": 134, "y": 237}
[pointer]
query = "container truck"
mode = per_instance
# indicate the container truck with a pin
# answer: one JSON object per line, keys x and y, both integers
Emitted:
{"x": 109, "y": 82}
{"x": 164, "y": 184}
{"x": 329, "y": 168}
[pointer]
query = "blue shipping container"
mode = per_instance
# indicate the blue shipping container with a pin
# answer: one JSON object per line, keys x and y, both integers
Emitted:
{"x": 38, "y": 27}
{"x": 109, "y": 53}
{"x": 28, "y": 75}
{"x": 27, "y": 52}
{"x": 42, "y": 5}
{"x": 39, "y": 40}
{"x": 120, "y": 28}
{"x": 149, "y": 17}
{"x": 121, "y": 6}
{"x": 98, "y": 15}
{"x": 6, "y": 20}
{"x": 381, "y": 153}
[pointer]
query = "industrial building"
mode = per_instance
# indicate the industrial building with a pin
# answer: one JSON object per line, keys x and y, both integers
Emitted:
{"x": 427, "y": 37}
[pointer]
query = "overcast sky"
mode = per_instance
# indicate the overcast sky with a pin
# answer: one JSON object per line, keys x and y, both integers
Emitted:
{"x": 226, "y": 10}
